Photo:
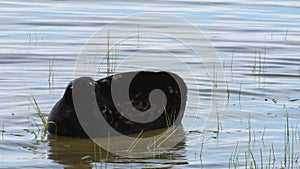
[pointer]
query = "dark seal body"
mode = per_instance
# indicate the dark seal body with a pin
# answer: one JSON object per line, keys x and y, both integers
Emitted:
{"x": 63, "y": 118}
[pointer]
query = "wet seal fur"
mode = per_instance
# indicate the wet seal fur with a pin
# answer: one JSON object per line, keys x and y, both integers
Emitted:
{"x": 67, "y": 124}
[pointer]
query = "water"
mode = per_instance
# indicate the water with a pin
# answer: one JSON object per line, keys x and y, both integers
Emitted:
{"x": 257, "y": 41}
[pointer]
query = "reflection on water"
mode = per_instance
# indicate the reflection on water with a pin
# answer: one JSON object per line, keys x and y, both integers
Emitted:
{"x": 84, "y": 153}
{"x": 257, "y": 41}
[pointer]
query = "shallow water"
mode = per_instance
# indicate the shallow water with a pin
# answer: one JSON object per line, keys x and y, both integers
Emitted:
{"x": 257, "y": 42}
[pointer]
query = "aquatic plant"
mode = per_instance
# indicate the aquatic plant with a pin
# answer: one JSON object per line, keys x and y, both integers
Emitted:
{"x": 43, "y": 120}
{"x": 40, "y": 113}
{"x": 250, "y": 158}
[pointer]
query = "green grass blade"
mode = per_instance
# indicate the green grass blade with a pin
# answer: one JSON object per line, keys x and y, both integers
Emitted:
{"x": 40, "y": 113}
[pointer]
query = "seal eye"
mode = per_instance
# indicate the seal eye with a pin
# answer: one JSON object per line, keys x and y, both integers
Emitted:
{"x": 70, "y": 85}
{"x": 68, "y": 91}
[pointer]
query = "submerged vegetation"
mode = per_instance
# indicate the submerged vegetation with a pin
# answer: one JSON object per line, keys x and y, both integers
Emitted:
{"x": 249, "y": 156}
{"x": 41, "y": 133}
{"x": 111, "y": 57}
{"x": 253, "y": 153}
{"x": 51, "y": 73}
{"x": 267, "y": 157}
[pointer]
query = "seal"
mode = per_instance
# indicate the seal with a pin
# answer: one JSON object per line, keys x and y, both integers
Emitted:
{"x": 63, "y": 119}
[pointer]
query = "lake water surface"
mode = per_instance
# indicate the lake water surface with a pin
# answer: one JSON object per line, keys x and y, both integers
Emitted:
{"x": 258, "y": 45}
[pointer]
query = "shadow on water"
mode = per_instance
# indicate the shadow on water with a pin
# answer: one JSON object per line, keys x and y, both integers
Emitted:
{"x": 84, "y": 153}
